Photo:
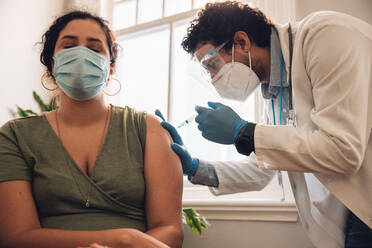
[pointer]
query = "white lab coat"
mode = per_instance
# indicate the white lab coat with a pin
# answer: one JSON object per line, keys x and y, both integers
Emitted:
{"x": 332, "y": 83}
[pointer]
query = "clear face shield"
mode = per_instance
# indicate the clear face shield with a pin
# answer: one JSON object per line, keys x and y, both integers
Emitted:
{"x": 210, "y": 61}
{"x": 232, "y": 80}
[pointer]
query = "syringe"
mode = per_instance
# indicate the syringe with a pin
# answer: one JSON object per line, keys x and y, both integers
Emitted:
{"x": 187, "y": 121}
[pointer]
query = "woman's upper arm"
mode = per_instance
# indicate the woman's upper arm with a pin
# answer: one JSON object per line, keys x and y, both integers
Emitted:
{"x": 17, "y": 209}
{"x": 164, "y": 179}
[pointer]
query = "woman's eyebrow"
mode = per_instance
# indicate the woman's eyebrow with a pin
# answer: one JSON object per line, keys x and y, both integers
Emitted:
{"x": 93, "y": 40}
{"x": 90, "y": 39}
{"x": 69, "y": 37}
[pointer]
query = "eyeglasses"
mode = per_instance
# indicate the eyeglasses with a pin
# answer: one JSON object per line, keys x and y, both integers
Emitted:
{"x": 211, "y": 62}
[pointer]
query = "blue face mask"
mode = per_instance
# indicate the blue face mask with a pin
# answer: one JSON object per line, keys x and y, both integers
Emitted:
{"x": 80, "y": 72}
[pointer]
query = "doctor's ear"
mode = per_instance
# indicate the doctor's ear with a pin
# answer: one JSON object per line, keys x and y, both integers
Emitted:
{"x": 242, "y": 41}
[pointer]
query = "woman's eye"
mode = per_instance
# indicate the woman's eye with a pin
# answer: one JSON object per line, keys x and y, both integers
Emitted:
{"x": 95, "y": 47}
{"x": 68, "y": 46}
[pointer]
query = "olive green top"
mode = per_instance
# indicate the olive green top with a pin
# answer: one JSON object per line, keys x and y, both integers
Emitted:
{"x": 30, "y": 150}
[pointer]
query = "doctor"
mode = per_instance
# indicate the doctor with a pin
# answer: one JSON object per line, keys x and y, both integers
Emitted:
{"x": 322, "y": 136}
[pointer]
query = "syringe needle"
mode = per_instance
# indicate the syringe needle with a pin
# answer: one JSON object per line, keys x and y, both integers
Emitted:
{"x": 187, "y": 121}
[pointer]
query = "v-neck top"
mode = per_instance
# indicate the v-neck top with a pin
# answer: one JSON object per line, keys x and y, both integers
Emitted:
{"x": 30, "y": 150}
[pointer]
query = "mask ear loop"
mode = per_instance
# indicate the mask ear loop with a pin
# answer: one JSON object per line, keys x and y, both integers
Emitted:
{"x": 233, "y": 53}
{"x": 250, "y": 60}
{"x": 232, "y": 62}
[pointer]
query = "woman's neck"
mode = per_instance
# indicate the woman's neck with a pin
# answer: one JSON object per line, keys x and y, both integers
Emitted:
{"x": 82, "y": 112}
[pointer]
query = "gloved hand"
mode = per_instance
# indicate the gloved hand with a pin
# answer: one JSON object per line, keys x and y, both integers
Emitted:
{"x": 189, "y": 164}
{"x": 219, "y": 123}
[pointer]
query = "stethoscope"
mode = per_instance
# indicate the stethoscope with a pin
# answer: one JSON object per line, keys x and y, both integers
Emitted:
{"x": 291, "y": 116}
{"x": 281, "y": 94}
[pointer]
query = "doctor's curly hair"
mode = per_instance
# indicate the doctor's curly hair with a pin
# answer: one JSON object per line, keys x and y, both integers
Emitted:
{"x": 218, "y": 22}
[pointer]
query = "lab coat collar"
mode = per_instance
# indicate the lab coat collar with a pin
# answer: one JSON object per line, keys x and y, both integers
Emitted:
{"x": 284, "y": 42}
{"x": 272, "y": 89}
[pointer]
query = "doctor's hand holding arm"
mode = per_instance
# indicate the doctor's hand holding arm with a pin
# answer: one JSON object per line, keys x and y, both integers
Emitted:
{"x": 189, "y": 164}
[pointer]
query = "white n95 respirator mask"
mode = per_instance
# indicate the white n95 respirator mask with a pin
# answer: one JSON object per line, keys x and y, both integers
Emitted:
{"x": 235, "y": 80}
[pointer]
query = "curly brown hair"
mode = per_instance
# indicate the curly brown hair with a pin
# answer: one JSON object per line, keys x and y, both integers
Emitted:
{"x": 218, "y": 22}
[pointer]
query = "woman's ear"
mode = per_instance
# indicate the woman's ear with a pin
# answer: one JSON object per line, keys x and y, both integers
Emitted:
{"x": 242, "y": 41}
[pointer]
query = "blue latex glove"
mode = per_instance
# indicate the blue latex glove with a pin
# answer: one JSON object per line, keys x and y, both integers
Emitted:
{"x": 189, "y": 164}
{"x": 219, "y": 123}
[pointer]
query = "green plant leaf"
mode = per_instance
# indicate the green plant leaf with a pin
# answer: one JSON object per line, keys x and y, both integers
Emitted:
{"x": 21, "y": 112}
{"x": 43, "y": 107}
{"x": 25, "y": 112}
{"x": 30, "y": 112}
{"x": 52, "y": 104}
{"x": 194, "y": 220}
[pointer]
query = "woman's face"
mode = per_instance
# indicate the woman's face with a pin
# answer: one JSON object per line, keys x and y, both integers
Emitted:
{"x": 83, "y": 32}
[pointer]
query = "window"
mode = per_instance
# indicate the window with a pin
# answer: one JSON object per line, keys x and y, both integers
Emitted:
{"x": 155, "y": 72}
{"x": 143, "y": 69}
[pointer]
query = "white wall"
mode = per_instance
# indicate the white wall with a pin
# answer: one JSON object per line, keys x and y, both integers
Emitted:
{"x": 358, "y": 8}
{"x": 22, "y": 22}
{"x": 252, "y": 234}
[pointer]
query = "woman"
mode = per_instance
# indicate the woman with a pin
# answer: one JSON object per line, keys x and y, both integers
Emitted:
{"x": 87, "y": 172}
